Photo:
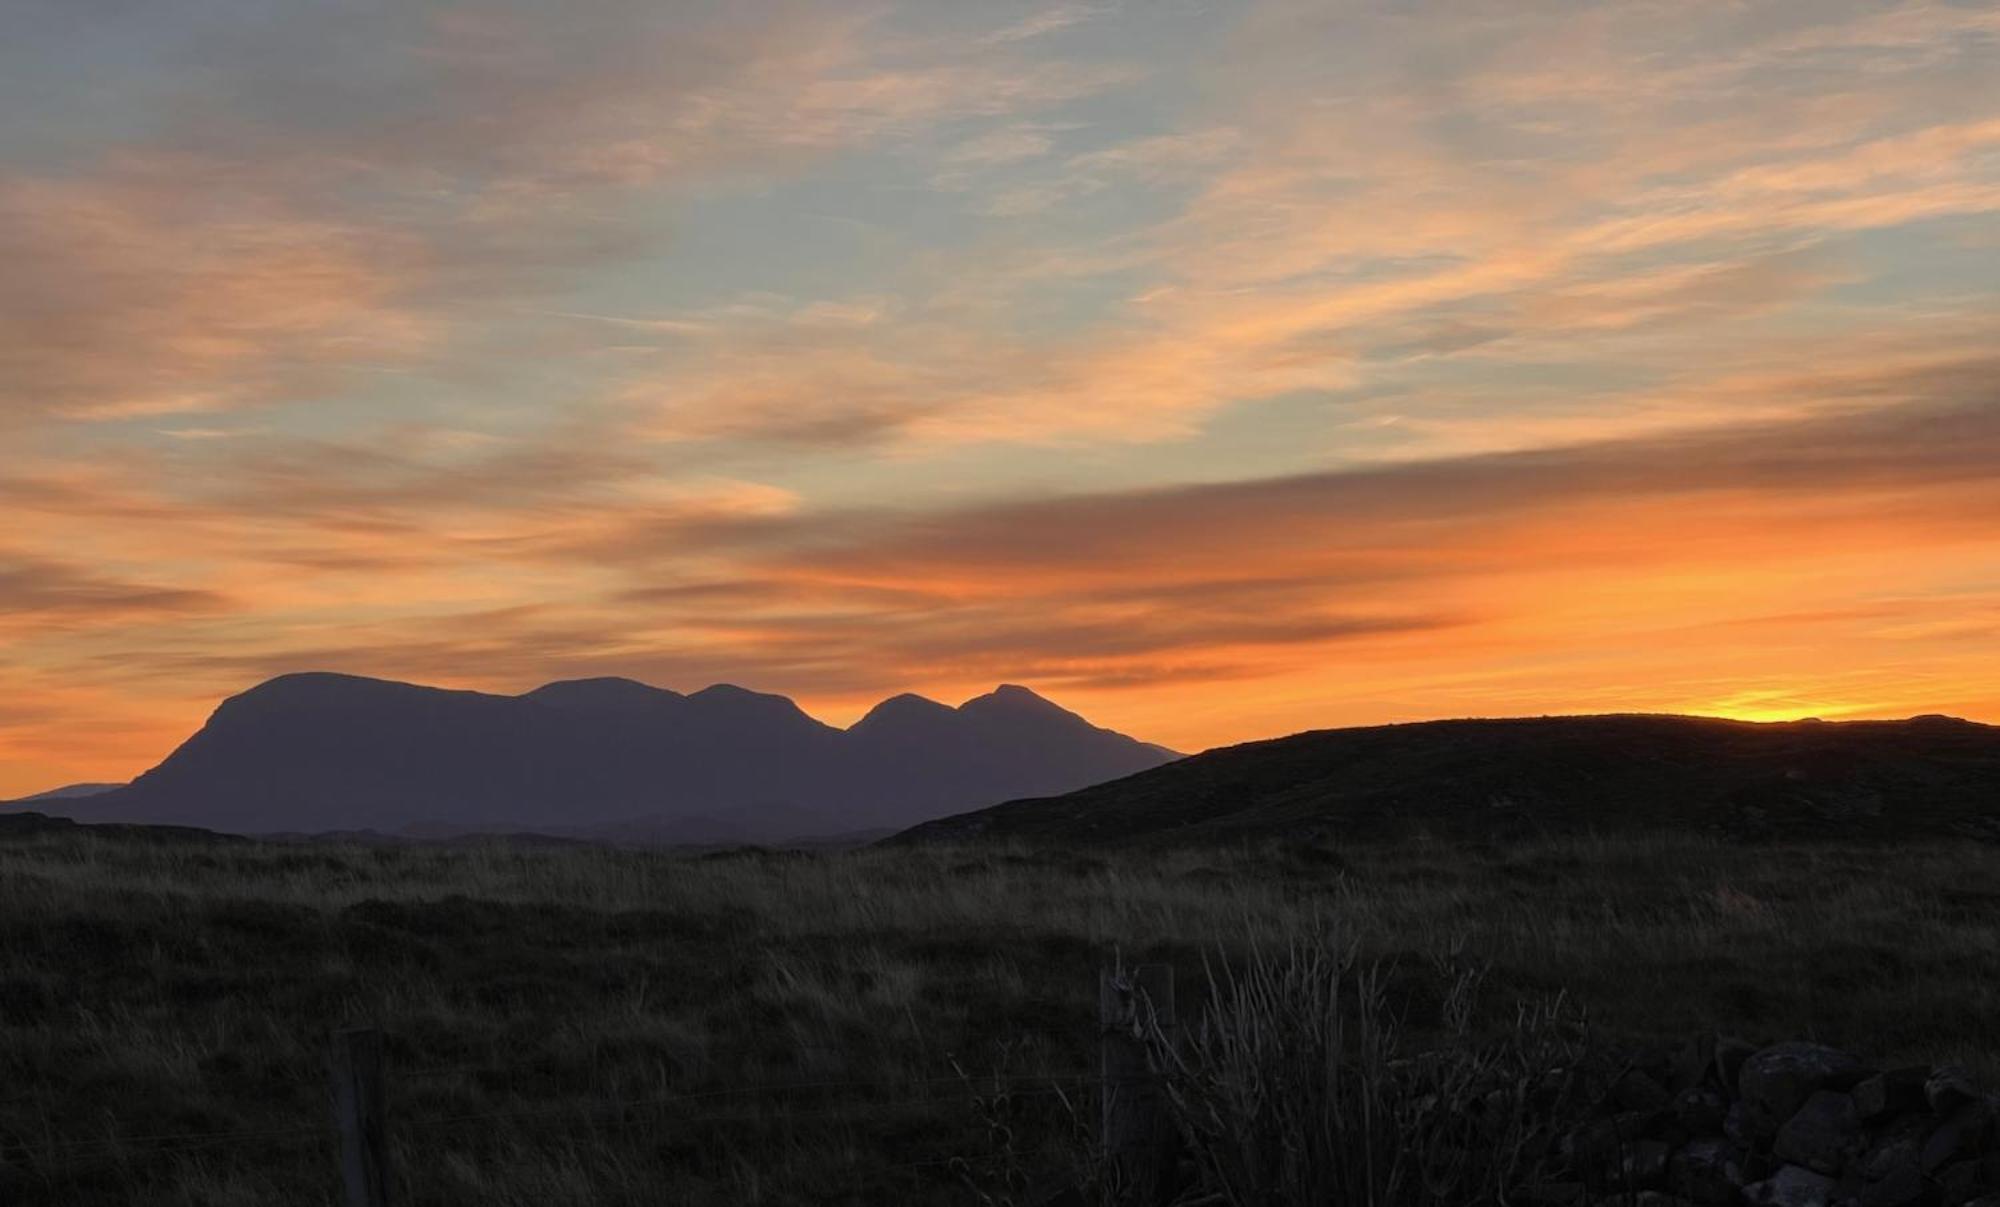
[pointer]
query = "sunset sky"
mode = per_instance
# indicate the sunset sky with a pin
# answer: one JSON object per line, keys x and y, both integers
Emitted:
{"x": 1218, "y": 369}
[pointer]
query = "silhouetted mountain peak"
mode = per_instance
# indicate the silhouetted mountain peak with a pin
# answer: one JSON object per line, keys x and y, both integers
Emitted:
{"x": 1012, "y": 699}
{"x": 315, "y": 691}
{"x": 306, "y": 684}
{"x": 730, "y": 702}
{"x": 605, "y": 694}
{"x": 729, "y": 693}
{"x": 903, "y": 710}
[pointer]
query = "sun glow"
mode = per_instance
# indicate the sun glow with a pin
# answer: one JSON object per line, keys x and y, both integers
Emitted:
{"x": 1782, "y": 706}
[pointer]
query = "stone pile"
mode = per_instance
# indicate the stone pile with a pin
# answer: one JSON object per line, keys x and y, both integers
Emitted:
{"x": 1721, "y": 1122}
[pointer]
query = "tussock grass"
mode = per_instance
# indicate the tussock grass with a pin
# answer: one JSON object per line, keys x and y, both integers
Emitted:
{"x": 1296, "y": 1085}
{"x": 152, "y": 990}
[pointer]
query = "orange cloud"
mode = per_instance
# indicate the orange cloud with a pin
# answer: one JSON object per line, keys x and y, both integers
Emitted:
{"x": 128, "y": 294}
{"x": 1370, "y": 361}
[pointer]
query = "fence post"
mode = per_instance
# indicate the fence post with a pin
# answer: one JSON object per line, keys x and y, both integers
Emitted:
{"x": 358, "y": 1111}
{"x": 1140, "y": 1142}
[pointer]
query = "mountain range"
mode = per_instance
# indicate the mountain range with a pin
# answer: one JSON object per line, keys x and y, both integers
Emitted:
{"x": 317, "y": 752}
{"x": 1927, "y": 777}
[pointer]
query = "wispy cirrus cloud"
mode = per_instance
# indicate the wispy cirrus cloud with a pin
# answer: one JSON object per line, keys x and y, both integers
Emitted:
{"x": 330, "y": 194}
{"x": 38, "y": 596}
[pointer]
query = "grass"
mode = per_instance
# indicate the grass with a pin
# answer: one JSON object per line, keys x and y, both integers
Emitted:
{"x": 1293, "y": 1087}
{"x": 597, "y": 1026}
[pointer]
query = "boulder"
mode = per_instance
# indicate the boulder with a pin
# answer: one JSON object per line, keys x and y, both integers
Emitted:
{"x": 1791, "y": 1186}
{"x": 1736, "y": 1125}
{"x": 1899, "y": 1143}
{"x": 1776, "y": 1082}
{"x": 1823, "y": 1135}
{"x": 1602, "y": 1140}
{"x": 1707, "y": 1172}
{"x": 1904, "y": 1187}
{"x": 1962, "y": 1135}
{"x": 1950, "y": 1087}
{"x": 1701, "y": 1111}
{"x": 1895, "y": 1092}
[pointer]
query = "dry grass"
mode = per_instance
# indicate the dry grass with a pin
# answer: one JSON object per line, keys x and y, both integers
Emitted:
{"x": 1296, "y": 1085}
{"x": 152, "y": 990}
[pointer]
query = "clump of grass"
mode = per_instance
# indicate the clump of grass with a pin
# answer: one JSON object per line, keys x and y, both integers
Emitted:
{"x": 1294, "y": 1087}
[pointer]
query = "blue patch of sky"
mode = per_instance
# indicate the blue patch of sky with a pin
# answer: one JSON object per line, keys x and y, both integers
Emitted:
{"x": 1933, "y": 263}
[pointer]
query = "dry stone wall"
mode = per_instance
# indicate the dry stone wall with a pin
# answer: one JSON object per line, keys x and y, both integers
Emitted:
{"x": 1719, "y": 1122}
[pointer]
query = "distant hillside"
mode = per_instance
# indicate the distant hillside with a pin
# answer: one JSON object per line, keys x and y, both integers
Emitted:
{"x": 1930, "y": 776}
{"x": 27, "y": 823}
{"x": 73, "y": 792}
{"x": 320, "y": 752}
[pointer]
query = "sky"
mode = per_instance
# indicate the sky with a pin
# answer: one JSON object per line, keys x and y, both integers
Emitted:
{"x": 1220, "y": 370}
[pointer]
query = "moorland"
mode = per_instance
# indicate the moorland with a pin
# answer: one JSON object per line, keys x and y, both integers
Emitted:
{"x": 574, "y": 1024}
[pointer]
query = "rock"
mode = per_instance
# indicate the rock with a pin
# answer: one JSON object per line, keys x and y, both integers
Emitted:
{"x": 1823, "y": 1135}
{"x": 1791, "y": 1186}
{"x": 1776, "y": 1082}
{"x": 1757, "y": 1166}
{"x": 1701, "y": 1111}
{"x": 1892, "y": 1093}
{"x": 1736, "y": 1125}
{"x": 1904, "y": 1187}
{"x": 1960, "y": 1135}
{"x": 1603, "y": 1139}
{"x": 1707, "y": 1172}
{"x": 1900, "y": 1143}
{"x": 1950, "y": 1087}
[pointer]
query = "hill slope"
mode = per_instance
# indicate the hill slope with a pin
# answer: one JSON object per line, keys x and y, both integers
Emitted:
{"x": 317, "y": 752}
{"x": 1861, "y": 779}
{"x": 73, "y": 792}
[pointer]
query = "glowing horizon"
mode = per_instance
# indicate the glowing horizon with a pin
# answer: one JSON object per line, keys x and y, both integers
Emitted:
{"x": 1218, "y": 371}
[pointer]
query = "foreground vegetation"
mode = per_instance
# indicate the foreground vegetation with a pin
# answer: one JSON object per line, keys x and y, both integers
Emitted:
{"x": 597, "y": 1026}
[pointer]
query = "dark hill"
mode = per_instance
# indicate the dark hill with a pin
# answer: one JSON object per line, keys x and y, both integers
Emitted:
{"x": 321, "y": 752}
{"x": 28, "y": 824}
{"x": 1930, "y": 776}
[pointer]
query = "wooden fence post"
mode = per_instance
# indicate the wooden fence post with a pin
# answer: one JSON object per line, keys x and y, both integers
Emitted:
{"x": 359, "y": 1111}
{"x": 1140, "y": 1142}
